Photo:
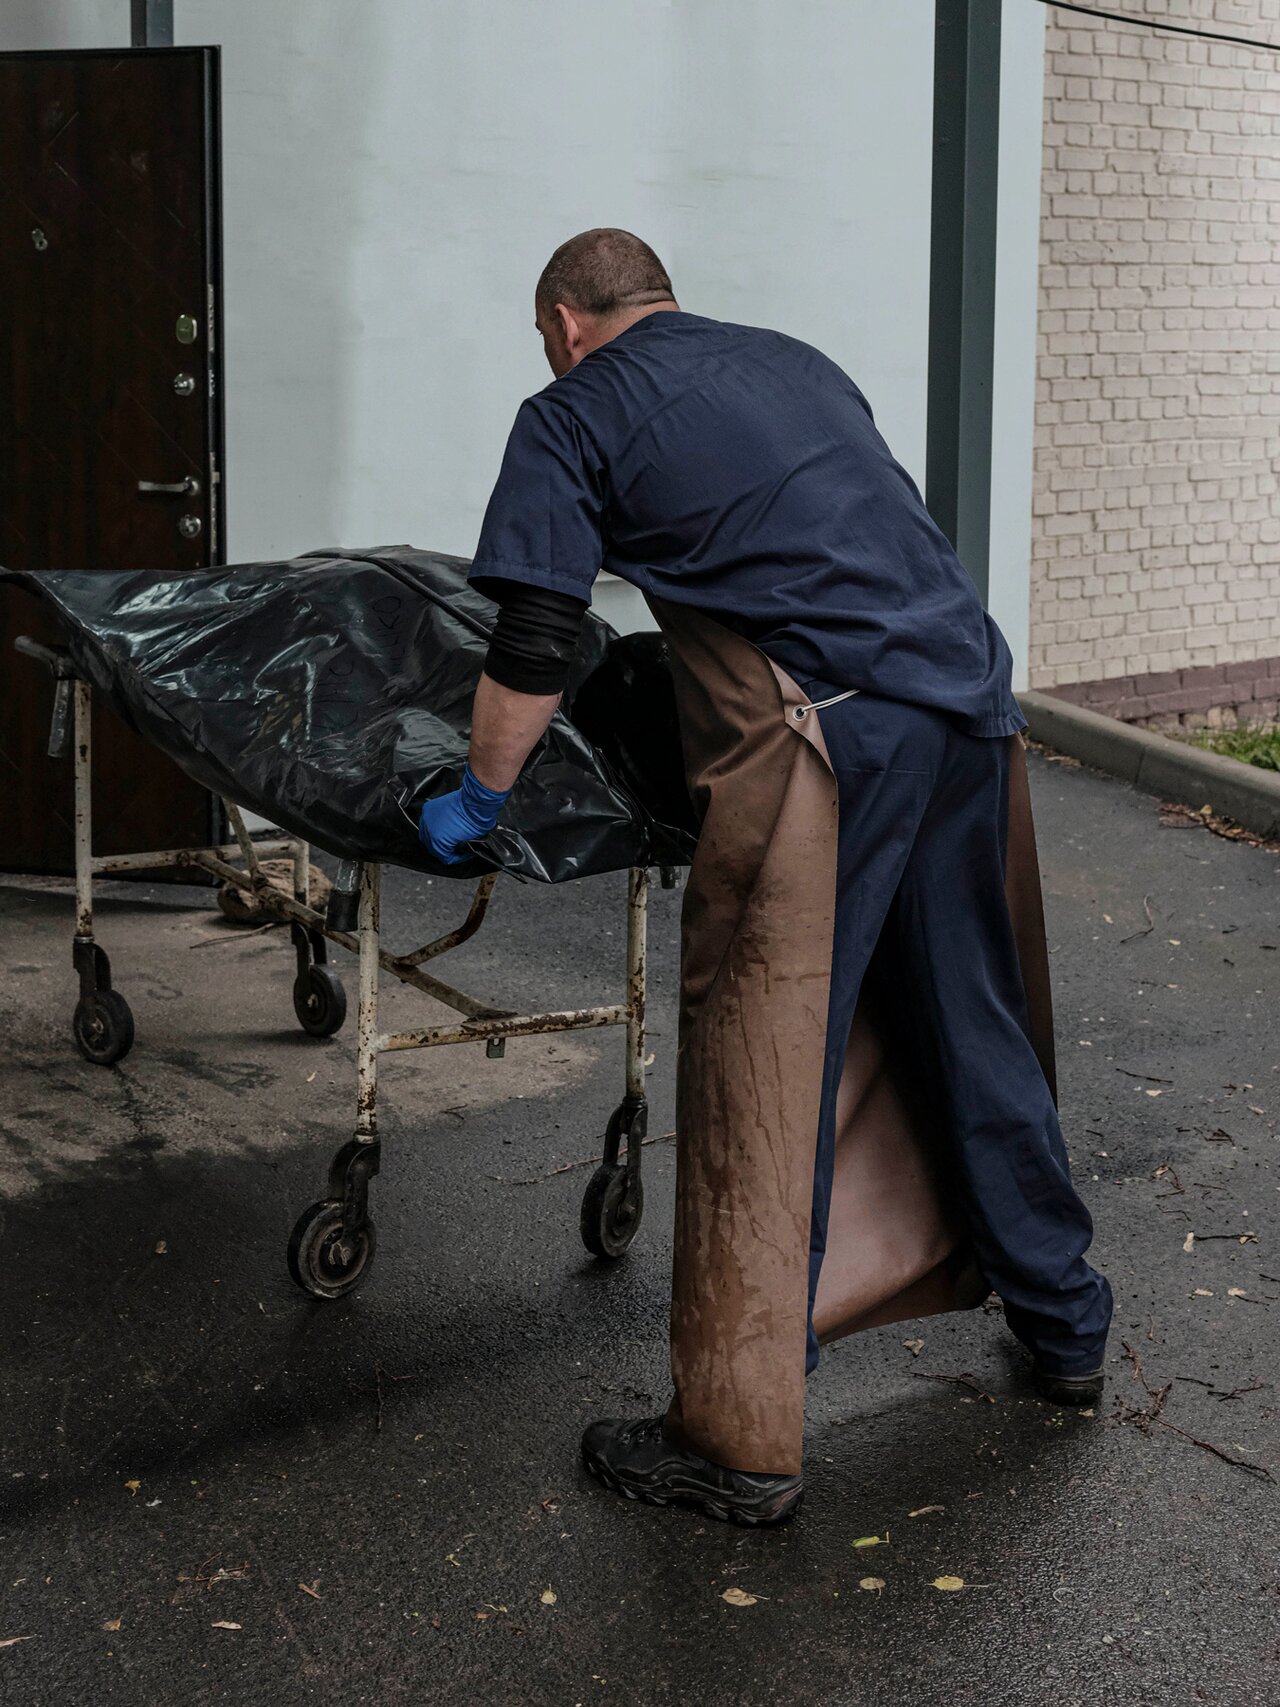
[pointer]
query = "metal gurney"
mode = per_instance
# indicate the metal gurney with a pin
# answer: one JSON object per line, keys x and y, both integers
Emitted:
{"x": 329, "y": 694}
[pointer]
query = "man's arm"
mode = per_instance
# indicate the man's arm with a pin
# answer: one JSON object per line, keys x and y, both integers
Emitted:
{"x": 539, "y": 551}
{"x": 505, "y": 728}
{"x": 529, "y": 657}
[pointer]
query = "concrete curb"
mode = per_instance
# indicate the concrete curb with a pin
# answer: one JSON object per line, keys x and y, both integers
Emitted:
{"x": 1156, "y": 765}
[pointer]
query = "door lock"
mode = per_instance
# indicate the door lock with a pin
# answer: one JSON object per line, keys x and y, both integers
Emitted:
{"x": 189, "y": 526}
{"x": 188, "y": 488}
{"x": 183, "y": 384}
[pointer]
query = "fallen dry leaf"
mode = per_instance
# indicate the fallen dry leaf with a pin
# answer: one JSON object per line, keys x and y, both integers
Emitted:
{"x": 739, "y": 1597}
{"x": 162, "y": 1245}
{"x": 915, "y": 1347}
{"x": 1202, "y": 1292}
{"x": 1236, "y": 1292}
{"x": 133, "y": 1487}
{"x": 112, "y": 1624}
{"x": 1155, "y": 1093}
{"x": 875, "y": 1583}
{"x": 947, "y": 1584}
{"x": 872, "y": 1540}
{"x": 10, "y": 1640}
{"x": 548, "y": 1596}
{"x": 313, "y": 1589}
{"x": 921, "y": 1509}
{"x": 1189, "y": 1243}
{"x": 223, "y": 1624}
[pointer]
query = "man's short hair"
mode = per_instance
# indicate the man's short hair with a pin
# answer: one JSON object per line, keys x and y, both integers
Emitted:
{"x": 604, "y": 271}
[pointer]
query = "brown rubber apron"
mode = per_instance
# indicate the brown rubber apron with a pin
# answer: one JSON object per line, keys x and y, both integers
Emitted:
{"x": 756, "y": 947}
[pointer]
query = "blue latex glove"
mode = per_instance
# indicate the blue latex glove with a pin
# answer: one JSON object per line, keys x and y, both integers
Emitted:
{"x": 464, "y": 815}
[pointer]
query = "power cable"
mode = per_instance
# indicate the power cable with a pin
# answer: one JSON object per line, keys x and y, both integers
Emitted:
{"x": 1156, "y": 24}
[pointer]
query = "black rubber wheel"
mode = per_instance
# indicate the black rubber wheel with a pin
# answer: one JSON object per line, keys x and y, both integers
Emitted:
{"x": 320, "y": 1001}
{"x": 612, "y": 1209}
{"x": 103, "y": 1027}
{"x": 322, "y": 1259}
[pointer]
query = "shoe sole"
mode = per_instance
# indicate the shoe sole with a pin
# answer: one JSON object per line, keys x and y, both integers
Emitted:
{"x": 1070, "y": 1392}
{"x": 707, "y": 1504}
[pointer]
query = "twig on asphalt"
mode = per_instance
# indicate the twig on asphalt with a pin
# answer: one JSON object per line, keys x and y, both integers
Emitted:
{"x": 1258, "y": 1470}
{"x": 958, "y": 1380}
{"x": 202, "y": 1578}
{"x": 1179, "y": 1190}
{"x": 1235, "y": 1393}
{"x": 1143, "y": 1419}
{"x": 237, "y": 935}
{"x": 1151, "y": 1077}
{"x": 568, "y": 1167}
{"x": 1139, "y": 1373}
{"x": 1151, "y": 1417}
{"x": 1238, "y": 1392}
{"x": 1150, "y": 926}
{"x": 379, "y": 1376}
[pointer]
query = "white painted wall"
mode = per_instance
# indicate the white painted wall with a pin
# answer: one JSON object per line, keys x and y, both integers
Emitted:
{"x": 396, "y": 172}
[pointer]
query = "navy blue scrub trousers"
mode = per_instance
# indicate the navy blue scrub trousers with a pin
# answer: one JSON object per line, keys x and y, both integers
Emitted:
{"x": 921, "y": 915}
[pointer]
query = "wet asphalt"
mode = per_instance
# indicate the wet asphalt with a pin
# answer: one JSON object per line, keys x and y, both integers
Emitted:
{"x": 213, "y": 1489}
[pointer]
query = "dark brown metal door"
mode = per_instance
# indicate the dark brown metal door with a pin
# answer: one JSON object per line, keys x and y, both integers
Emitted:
{"x": 110, "y": 397}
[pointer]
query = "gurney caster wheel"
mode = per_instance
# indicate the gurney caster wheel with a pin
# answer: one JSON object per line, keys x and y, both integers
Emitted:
{"x": 612, "y": 1207}
{"x": 103, "y": 1027}
{"x": 325, "y": 1261}
{"x": 319, "y": 1001}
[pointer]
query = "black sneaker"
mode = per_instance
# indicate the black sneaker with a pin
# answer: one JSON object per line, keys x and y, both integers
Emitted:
{"x": 1078, "y": 1391}
{"x": 636, "y": 1459}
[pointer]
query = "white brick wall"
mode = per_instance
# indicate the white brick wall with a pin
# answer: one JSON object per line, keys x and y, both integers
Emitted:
{"x": 1156, "y": 533}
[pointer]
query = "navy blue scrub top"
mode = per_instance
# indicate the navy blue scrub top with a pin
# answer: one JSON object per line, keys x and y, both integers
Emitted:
{"x": 740, "y": 471}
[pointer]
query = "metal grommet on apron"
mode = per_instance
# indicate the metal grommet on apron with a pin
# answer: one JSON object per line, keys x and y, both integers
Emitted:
{"x": 800, "y": 712}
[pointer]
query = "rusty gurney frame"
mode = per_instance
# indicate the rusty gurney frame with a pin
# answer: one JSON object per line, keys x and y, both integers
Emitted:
{"x": 333, "y": 1242}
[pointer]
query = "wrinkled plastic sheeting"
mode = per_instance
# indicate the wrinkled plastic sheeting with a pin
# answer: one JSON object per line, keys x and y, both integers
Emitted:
{"x": 332, "y": 696}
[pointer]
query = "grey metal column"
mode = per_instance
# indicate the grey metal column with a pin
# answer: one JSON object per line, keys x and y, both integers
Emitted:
{"x": 962, "y": 286}
{"x": 152, "y": 23}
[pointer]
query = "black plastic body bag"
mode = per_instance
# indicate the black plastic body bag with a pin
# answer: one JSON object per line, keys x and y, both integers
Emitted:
{"x": 332, "y": 695}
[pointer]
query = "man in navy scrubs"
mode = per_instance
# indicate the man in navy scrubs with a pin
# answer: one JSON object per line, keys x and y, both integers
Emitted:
{"x": 737, "y": 474}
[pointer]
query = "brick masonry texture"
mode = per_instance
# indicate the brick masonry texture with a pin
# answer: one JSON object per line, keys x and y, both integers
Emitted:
{"x": 1214, "y": 695}
{"x": 1156, "y": 533}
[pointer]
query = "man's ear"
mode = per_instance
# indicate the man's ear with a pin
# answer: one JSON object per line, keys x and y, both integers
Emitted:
{"x": 570, "y": 328}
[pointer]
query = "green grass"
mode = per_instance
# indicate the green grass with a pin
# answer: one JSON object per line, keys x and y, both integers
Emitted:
{"x": 1254, "y": 744}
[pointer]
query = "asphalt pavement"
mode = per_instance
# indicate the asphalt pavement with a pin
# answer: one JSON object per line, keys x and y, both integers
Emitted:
{"x": 214, "y": 1489}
